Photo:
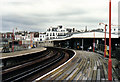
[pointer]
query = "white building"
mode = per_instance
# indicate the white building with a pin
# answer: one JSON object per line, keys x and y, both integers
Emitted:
{"x": 114, "y": 30}
{"x": 30, "y": 36}
{"x": 40, "y": 37}
{"x": 21, "y": 35}
{"x": 58, "y": 32}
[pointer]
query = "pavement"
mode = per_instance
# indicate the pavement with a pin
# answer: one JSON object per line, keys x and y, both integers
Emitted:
{"x": 20, "y": 53}
{"x": 84, "y": 66}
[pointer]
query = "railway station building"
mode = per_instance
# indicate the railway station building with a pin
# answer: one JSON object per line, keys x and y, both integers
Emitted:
{"x": 86, "y": 40}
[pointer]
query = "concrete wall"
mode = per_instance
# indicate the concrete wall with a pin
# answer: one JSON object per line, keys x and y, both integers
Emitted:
{"x": 46, "y": 44}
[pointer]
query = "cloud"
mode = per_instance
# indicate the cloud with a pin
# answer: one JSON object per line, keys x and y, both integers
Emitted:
{"x": 41, "y": 14}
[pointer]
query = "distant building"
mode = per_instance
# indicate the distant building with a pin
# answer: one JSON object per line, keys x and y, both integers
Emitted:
{"x": 39, "y": 37}
{"x": 42, "y": 37}
{"x": 114, "y": 30}
{"x": 8, "y": 35}
{"x": 21, "y": 35}
{"x": 30, "y": 36}
{"x": 58, "y": 32}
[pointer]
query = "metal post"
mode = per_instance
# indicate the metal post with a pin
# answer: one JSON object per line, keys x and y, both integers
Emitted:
{"x": 105, "y": 42}
{"x": 82, "y": 44}
{"x": 110, "y": 61}
{"x": 13, "y": 42}
{"x": 31, "y": 41}
{"x": 94, "y": 43}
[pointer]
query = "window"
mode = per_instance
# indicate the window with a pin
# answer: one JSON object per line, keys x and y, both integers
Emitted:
{"x": 62, "y": 30}
{"x": 53, "y": 34}
{"x": 40, "y": 39}
{"x": 6, "y": 36}
{"x": 36, "y": 34}
{"x": 48, "y": 29}
{"x": 10, "y": 35}
{"x": 114, "y": 29}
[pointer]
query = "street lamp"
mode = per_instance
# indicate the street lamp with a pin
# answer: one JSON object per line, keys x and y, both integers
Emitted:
{"x": 105, "y": 39}
{"x": 109, "y": 61}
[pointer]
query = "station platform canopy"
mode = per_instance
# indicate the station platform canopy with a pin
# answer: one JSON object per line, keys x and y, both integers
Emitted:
{"x": 94, "y": 35}
{"x": 88, "y": 35}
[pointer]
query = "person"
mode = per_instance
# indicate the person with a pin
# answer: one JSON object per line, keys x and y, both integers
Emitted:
{"x": 89, "y": 48}
{"x": 29, "y": 47}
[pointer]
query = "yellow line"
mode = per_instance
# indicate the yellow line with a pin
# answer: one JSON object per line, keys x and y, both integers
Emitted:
{"x": 63, "y": 78}
{"x": 79, "y": 76}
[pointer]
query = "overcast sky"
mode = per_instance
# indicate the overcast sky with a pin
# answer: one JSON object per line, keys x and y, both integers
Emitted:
{"x": 38, "y": 15}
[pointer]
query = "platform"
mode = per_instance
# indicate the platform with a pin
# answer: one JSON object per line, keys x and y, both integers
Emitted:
{"x": 20, "y": 53}
{"x": 84, "y": 66}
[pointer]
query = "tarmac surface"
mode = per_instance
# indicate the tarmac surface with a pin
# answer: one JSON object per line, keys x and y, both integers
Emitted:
{"x": 20, "y": 53}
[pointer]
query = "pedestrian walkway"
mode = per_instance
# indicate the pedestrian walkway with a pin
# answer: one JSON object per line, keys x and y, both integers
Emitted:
{"x": 20, "y": 53}
{"x": 84, "y": 66}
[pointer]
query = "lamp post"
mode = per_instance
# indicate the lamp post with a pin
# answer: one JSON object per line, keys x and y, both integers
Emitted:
{"x": 105, "y": 42}
{"x": 110, "y": 61}
{"x": 105, "y": 39}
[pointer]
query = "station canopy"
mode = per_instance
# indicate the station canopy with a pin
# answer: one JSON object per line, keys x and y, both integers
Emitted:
{"x": 89, "y": 35}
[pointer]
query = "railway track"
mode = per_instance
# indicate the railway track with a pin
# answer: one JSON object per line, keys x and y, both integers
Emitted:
{"x": 36, "y": 67}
